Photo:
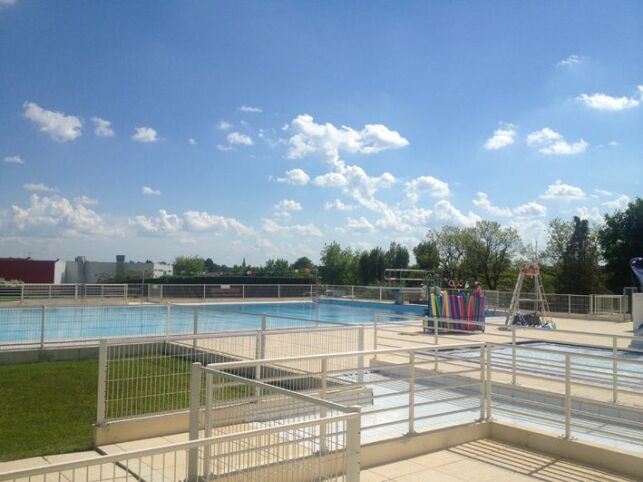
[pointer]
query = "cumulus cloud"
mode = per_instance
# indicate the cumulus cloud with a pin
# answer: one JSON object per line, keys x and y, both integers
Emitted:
{"x": 148, "y": 191}
{"x": 86, "y": 200}
{"x": 270, "y": 226}
{"x": 204, "y": 221}
{"x": 531, "y": 209}
{"x": 224, "y": 126}
{"x": 403, "y": 219}
{"x": 247, "y": 108}
{"x": 551, "y": 142}
{"x": 7, "y": 3}
{"x": 504, "y": 136}
{"x": 58, "y": 126}
{"x": 482, "y": 201}
{"x": 145, "y": 134}
{"x": 39, "y": 187}
{"x": 285, "y": 207}
{"x": 591, "y": 214}
{"x": 13, "y": 160}
{"x": 192, "y": 141}
{"x": 54, "y": 216}
{"x": 359, "y": 225}
{"x": 426, "y": 185}
{"x": 620, "y": 202}
{"x": 559, "y": 190}
{"x": 339, "y": 205}
{"x": 296, "y": 177}
{"x": 102, "y": 127}
{"x": 163, "y": 224}
{"x": 571, "y": 60}
{"x": 600, "y": 101}
{"x": 236, "y": 138}
{"x": 531, "y": 230}
{"x": 445, "y": 211}
{"x": 328, "y": 140}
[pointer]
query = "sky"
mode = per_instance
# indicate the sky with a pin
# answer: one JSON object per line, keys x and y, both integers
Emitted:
{"x": 264, "y": 129}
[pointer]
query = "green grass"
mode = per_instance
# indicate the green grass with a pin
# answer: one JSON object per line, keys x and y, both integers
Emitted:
{"x": 47, "y": 408}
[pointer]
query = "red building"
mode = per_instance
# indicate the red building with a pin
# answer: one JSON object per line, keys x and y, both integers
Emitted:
{"x": 30, "y": 270}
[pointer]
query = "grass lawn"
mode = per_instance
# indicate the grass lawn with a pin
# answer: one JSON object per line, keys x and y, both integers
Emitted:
{"x": 47, "y": 408}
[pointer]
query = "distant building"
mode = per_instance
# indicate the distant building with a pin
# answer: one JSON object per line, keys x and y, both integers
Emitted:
{"x": 29, "y": 270}
{"x": 89, "y": 272}
{"x": 163, "y": 269}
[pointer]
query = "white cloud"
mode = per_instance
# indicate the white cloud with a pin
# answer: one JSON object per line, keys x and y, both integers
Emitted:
{"x": 502, "y": 137}
{"x": 404, "y": 219}
{"x": 58, "y": 126}
{"x": 600, "y": 101}
{"x": 55, "y": 216}
{"x": 531, "y": 209}
{"x": 285, "y": 207}
{"x": 192, "y": 141}
{"x": 235, "y": 138}
{"x": 591, "y": 214}
{"x": 571, "y": 60}
{"x": 445, "y": 211}
{"x": 270, "y": 226}
{"x": 531, "y": 230}
{"x": 559, "y": 190}
{"x": 224, "y": 126}
{"x": 603, "y": 192}
{"x": 145, "y": 134}
{"x": 426, "y": 185}
{"x": 148, "y": 191}
{"x": 328, "y": 140}
{"x": 482, "y": 201}
{"x": 224, "y": 148}
{"x": 7, "y": 3}
{"x": 296, "y": 177}
{"x": 86, "y": 200}
{"x": 39, "y": 187}
{"x": 162, "y": 225}
{"x": 359, "y": 225}
{"x": 551, "y": 142}
{"x": 204, "y": 221}
{"x": 14, "y": 160}
{"x": 620, "y": 202}
{"x": 102, "y": 127}
{"x": 339, "y": 205}
{"x": 247, "y": 108}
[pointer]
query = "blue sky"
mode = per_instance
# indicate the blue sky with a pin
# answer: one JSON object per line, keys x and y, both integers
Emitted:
{"x": 265, "y": 129}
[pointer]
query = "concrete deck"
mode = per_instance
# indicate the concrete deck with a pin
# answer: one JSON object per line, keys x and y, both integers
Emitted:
{"x": 487, "y": 460}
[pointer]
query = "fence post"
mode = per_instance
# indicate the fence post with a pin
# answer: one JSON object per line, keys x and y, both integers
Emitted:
{"x": 203, "y": 291}
{"x": 380, "y": 293}
{"x": 195, "y": 418}
{"x": 243, "y": 292}
{"x": 353, "y": 447}
{"x": 411, "y": 392}
{"x": 43, "y": 316}
{"x": 436, "y": 330}
{"x": 22, "y": 292}
{"x": 207, "y": 429}
{"x": 102, "y": 291}
{"x": 591, "y": 304}
{"x": 614, "y": 369}
{"x": 126, "y": 288}
{"x": 568, "y": 396}
{"x": 375, "y": 320}
{"x": 360, "y": 360}
{"x": 513, "y": 354}
{"x": 49, "y": 291}
{"x": 482, "y": 383}
{"x": 168, "y": 319}
{"x": 102, "y": 382}
{"x": 278, "y": 291}
{"x": 195, "y": 329}
{"x": 323, "y": 429}
{"x": 488, "y": 383}
{"x": 352, "y": 291}
{"x": 569, "y": 304}
{"x": 160, "y": 292}
{"x": 75, "y": 292}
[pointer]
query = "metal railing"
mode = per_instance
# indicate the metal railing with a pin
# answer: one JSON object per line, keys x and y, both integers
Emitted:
{"x": 141, "y": 377}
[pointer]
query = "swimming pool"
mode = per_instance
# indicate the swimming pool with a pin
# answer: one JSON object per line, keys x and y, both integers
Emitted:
{"x": 59, "y": 324}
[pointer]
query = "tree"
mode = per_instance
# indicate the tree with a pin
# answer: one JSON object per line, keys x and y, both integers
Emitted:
{"x": 622, "y": 239}
{"x": 338, "y": 266}
{"x": 427, "y": 256}
{"x": 303, "y": 264}
{"x": 276, "y": 267}
{"x": 189, "y": 265}
{"x": 397, "y": 256}
{"x": 209, "y": 265}
{"x": 453, "y": 244}
{"x": 576, "y": 266}
{"x": 490, "y": 249}
{"x": 376, "y": 265}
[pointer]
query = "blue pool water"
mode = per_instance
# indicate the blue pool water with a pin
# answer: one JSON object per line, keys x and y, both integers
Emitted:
{"x": 24, "y": 325}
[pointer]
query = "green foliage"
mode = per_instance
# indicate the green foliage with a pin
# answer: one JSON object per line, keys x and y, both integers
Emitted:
{"x": 303, "y": 264}
{"x": 397, "y": 256}
{"x": 276, "y": 267}
{"x": 622, "y": 239}
{"x": 338, "y": 266}
{"x": 189, "y": 265}
{"x": 453, "y": 244}
{"x": 490, "y": 250}
{"x": 427, "y": 256}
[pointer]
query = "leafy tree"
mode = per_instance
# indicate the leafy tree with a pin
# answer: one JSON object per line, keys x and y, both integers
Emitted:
{"x": 453, "y": 244}
{"x": 376, "y": 265}
{"x": 276, "y": 267}
{"x": 303, "y": 264}
{"x": 338, "y": 266}
{"x": 490, "y": 249}
{"x": 189, "y": 265}
{"x": 397, "y": 256}
{"x": 576, "y": 270}
{"x": 209, "y": 265}
{"x": 427, "y": 256}
{"x": 364, "y": 269}
{"x": 622, "y": 239}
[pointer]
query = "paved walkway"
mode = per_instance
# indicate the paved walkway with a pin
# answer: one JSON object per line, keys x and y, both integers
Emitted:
{"x": 487, "y": 460}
